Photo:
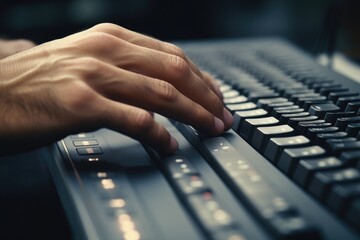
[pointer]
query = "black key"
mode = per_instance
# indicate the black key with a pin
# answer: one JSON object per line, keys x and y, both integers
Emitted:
{"x": 303, "y": 127}
{"x": 341, "y": 195}
{"x": 234, "y": 100}
{"x": 337, "y": 148}
{"x": 250, "y": 124}
{"x": 294, "y": 98}
{"x": 291, "y": 156}
{"x": 261, "y": 198}
{"x": 327, "y": 91}
{"x": 301, "y": 101}
{"x": 263, "y": 134}
{"x": 330, "y": 142}
{"x": 350, "y": 158}
{"x": 276, "y": 145}
{"x": 241, "y": 106}
{"x": 89, "y": 151}
{"x": 353, "y": 213}
{"x": 308, "y": 103}
{"x": 352, "y": 106}
{"x": 278, "y": 113}
{"x": 294, "y": 121}
{"x": 284, "y": 118}
{"x": 322, "y": 182}
{"x": 318, "y": 86}
{"x": 240, "y": 116}
{"x": 342, "y": 123}
{"x": 353, "y": 129}
{"x": 334, "y": 96}
{"x": 321, "y": 109}
{"x": 307, "y": 167}
{"x": 312, "y": 132}
{"x": 322, "y": 137}
{"x": 271, "y": 106}
{"x": 264, "y": 103}
{"x": 255, "y": 96}
{"x": 333, "y": 116}
{"x": 343, "y": 101}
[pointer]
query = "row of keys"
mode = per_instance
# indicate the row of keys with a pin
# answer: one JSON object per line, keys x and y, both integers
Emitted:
{"x": 300, "y": 124}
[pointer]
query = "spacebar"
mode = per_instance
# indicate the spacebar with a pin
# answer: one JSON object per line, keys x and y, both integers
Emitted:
{"x": 269, "y": 207}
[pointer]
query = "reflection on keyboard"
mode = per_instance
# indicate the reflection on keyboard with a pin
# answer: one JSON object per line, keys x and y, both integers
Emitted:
{"x": 293, "y": 119}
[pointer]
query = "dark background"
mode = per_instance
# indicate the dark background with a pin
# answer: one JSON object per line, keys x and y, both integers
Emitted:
{"x": 30, "y": 208}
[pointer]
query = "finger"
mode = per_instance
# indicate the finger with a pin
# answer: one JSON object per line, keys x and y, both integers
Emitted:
{"x": 11, "y": 47}
{"x": 151, "y": 63}
{"x": 138, "y": 124}
{"x": 150, "y": 94}
{"x": 148, "y": 42}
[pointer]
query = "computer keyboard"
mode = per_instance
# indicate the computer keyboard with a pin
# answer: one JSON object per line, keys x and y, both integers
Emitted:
{"x": 288, "y": 169}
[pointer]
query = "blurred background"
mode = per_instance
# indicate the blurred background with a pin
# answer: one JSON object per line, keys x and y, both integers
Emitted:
{"x": 301, "y": 21}
{"x": 25, "y": 185}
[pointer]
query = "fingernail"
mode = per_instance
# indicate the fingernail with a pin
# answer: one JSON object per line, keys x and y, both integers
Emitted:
{"x": 174, "y": 145}
{"x": 228, "y": 119}
{"x": 219, "y": 125}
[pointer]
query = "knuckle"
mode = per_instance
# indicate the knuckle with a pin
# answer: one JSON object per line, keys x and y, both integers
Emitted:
{"x": 142, "y": 121}
{"x": 104, "y": 27}
{"x": 202, "y": 116}
{"x": 177, "y": 51}
{"x": 180, "y": 66}
{"x": 167, "y": 92}
{"x": 89, "y": 67}
{"x": 81, "y": 97}
{"x": 100, "y": 39}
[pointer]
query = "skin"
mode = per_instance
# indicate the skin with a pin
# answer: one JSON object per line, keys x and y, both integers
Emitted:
{"x": 105, "y": 76}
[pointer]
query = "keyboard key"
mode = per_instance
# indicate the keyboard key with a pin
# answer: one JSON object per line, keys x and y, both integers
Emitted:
{"x": 308, "y": 103}
{"x": 303, "y": 127}
{"x": 350, "y": 158}
{"x": 263, "y": 134}
{"x": 312, "y": 132}
{"x": 337, "y": 148}
{"x": 322, "y": 182}
{"x": 333, "y": 116}
{"x": 264, "y": 103}
{"x": 330, "y": 142}
{"x": 352, "y": 106}
{"x": 343, "y": 101}
{"x": 322, "y": 137}
{"x": 240, "y": 116}
{"x": 334, "y": 96}
{"x": 307, "y": 167}
{"x": 321, "y": 109}
{"x": 250, "y": 124}
{"x": 235, "y": 100}
{"x": 241, "y": 106}
{"x": 277, "y": 145}
{"x": 353, "y": 129}
{"x": 341, "y": 195}
{"x": 294, "y": 122}
{"x": 291, "y": 156}
{"x": 89, "y": 151}
{"x": 284, "y": 118}
{"x": 343, "y": 122}
{"x": 230, "y": 94}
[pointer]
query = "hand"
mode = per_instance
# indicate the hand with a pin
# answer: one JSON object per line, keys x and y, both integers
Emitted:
{"x": 10, "y": 47}
{"x": 106, "y": 76}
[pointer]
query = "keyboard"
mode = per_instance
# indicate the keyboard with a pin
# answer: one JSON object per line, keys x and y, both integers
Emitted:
{"x": 288, "y": 169}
